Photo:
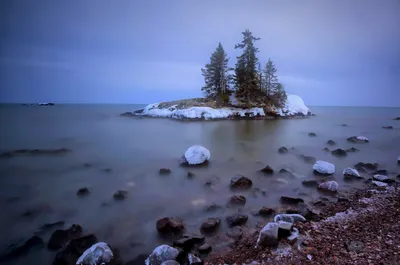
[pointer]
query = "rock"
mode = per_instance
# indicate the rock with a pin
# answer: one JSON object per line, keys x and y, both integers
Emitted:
{"x": 289, "y": 218}
{"x": 82, "y": 192}
{"x": 351, "y": 172}
{"x": 168, "y": 262}
{"x": 267, "y": 170}
{"x": 186, "y": 243}
{"x": 194, "y": 260}
{"x": 358, "y": 139}
{"x": 397, "y": 119}
{"x": 107, "y": 170}
{"x": 98, "y": 254}
{"x": 284, "y": 229}
{"x": 352, "y": 150}
{"x": 281, "y": 181}
{"x": 283, "y": 150}
{"x": 138, "y": 111}
{"x": 205, "y": 248}
{"x": 60, "y": 237}
{"x": 165, "y": 171}
{"x": 170, "y": 225}
{"x": 355, "y": 246}
{"x": 210, "y": 225}
{"x": 74, "y": 249}
{"x": 20, "y": 248}
{"x": 264, "y": 211}
{"x": 161, "y": 254}
{"x": 342, "y": 199}
{"x": 120, "y": 195}
{"x": 383, "y": 178}
{"x": 127, "y": 114}
{"x": 190, "y": 175}
{"x": 268, "y": 236}
{"x": 196, "y": 155}
{"x": 304, "y": 211}
{"x": 344, "y": 125}
{"x": 34, "y": 152}
{"x": 310, "y": 183}
{"x": 312, "y": 134}
{"x": 366, "y": 166}
{"x": 379, "y": 183}
{"x": 323, "y": 167}
{"x": 387, "y": 127}
{"x": 237, "y": 200}
{"x": 284, "y": 170}
{"x": 294, "y": 234}
{"x": 381, "y": 172}
{"x": 46, "y": 104}
{"x": 236, "y": 219}
{"x": 196, "y": 238}
{"x": 329, "y": 186}
{"x": 213, "y": 207}
{"x": 308, "y": 159}
{"x": 331, "y": 142}
{"x": 339, "y": 152}
{"x": 241, "y": 182}
{"x": 290, "y": 200}
{"x": 236, "y": 233}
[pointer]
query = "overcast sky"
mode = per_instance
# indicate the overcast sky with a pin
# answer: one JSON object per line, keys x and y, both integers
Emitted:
{"x": 328, "y": 52}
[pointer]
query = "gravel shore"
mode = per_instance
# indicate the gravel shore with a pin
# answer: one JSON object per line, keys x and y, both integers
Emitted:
{"x": 362, "y": 228}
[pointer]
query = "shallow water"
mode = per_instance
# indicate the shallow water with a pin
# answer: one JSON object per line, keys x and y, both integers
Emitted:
{"x": 135, "y": 149}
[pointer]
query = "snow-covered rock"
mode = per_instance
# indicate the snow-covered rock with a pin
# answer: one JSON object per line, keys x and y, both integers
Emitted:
{"x": 381, "y": 178}
{"x": 329, "y": 185}
{"x": 98, "y": 254}
{"x": 324, "y": 167}
{"x": 292, "y": 218}
{"x": 294, "y": 105}
{"x": 269, "y": 234}
{"x": 351, "y": 172}
{"x": 358, "y": 139}
{"x": 197, "y": 155}
{"x": 379, "y": 183}
{"x": 160, "y": 254}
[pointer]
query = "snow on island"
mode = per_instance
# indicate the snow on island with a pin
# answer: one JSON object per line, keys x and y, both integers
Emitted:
{"x": 201, "y": 109}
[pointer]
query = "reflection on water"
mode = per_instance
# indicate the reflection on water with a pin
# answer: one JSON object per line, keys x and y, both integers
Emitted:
{"x": 135, "y": 149}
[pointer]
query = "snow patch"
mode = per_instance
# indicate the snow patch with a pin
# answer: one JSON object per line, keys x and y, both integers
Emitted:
{"x": 197, "y": 154}
{"x": 294, "y": 105}
{"x": 362, "y": 138}
{"x": 324, "y": 167}
{"x": 351, "y": 172}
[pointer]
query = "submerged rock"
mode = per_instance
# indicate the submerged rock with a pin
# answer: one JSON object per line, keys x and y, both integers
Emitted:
{"x": 352, "y": 150}
{"x": 323, "y": 167}
{"x": 310, "y": 183}
{"x": 329, "y": 186}
{"x": 196, "y": 155}
{"x": 186, "y": 243}
{"x": 351, "y": 172}
{"x": 164, "y": 171}
{"x": 120, "y": 195}
{"x": 265, "y": 211}
{"x": 387, "y": 127}
{"x": 34, "y": 152}
{"x": 170, "y": 225}
{"x": 235, "y": 233}
{"x": 283, "y": 150}
{"x": 241, "y": 182}
{"x": 381, "y": 172}
{"x": 75, "y": 248}
{"x": 358, "y": 139}
{"x": 20, "y": 248}
{"x": 326, "y": 149}
{"x": 48, "y": 226}
{"x": 339, "y": 152}
{"x": 237, "y": 200}
{"x": 397, "y": 119}
{"x": 331, "y": 142}
{"x": 308, "y": 159}
{"x": 366, "y": 166}
{"x": 267, "y": 170}
{"x": 237, "y": 219}
{"x": 190, "y": 175}
{"x": 98, "y": 254}
{"x": 311, "y": 134}
{"x": 210, "y": 225}
{"x": 162, "y": 254}
{"x": 290, "y": 200}
{"x": 82, "y": 192}
{"x": 60, "y": 237}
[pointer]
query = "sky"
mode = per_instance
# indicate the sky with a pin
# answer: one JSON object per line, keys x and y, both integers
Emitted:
{"x": 334, "y": 53}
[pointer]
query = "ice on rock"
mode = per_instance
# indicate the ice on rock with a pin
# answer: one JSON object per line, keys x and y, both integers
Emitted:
{"x": 324, "y": 167}
{"x": 362, "y": 138}
{"x": 294, "y": 105}
{"x": 197, "y": 154}
{"x": 98, "y": 254}
{"x": 351, "y": 172}
{"x": 160, "y": 254}
{"x": 381, "y": 178}
{"x": 329, "y": 185}
{"x": 379, "y": 184}
{"x": 292, "y": 218}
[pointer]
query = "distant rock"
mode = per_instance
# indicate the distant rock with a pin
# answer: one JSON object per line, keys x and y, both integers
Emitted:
{"x": 358, "y": 139}
{"x": 308, "y": 159}
{"x": 339, "y": 152}
{"x": 331, "y": 142}
{"x": 210, "y": 225}
{"x": 326, "y": 149}
{"x": 60, "y": 237}
{"x": 284, "y": 170}
{"x": 213, "y": 207}
{"x": 329, "y": 186}
{"x": 34, "y": 152}
{"x": 46, "y": 104}
{"x": 127, "y": 114}
{"x": 323, "y": 167}
{"x": 267, "y": 170}
{"x": 190, "y": 175}
{"x": 165, "y": 171}
{"x": 344, "y": 125}
{"x": 82, "y": 192}
{"x": 172, "y": 225}
{"x": 311, "y": 134}
{"x": 352, "y": 150}
{"x": 398, "y": 160}
{"x": 240, "y": 182}
{"x": 98, "y": 254}
{"x": 74, "y": 249}
{"x": 387, "y": 127}
{"x": 120, "y": 195}
{"x": 283, "y": 150}
{"x": 20, "y": 248}
{"x": 237, "y": 200}
{"x": 397, "y": 119}
{"x": 290, "y": 200}
{"x": 310, "y": 183}
{"x": 236, "y": 219}
{"x": 162, "y": 254}
{"x": 351, "y": 172}
{"x": 196, "y": 155}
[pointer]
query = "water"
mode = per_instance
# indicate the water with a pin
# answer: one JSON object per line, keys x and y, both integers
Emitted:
{"x": 135, "y": 149}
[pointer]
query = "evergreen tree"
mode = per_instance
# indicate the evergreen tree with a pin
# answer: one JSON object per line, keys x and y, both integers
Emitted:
{"x": 271, "y": 79}
{"x": 246, "y": 76}
{"x": 279, "y": 96}
{"x": 216, "y": 75}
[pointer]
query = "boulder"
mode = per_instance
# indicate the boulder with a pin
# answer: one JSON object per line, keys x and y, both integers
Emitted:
{"x": 308, "y": 159}
{"x": 210, "y": 225}
{"x": 358, "y": 139}
{"x": 237, "y": 219}
{"x": 120, "y": 195}
{"x": 268, "y": 236}
{"x": 205, "y": 248}
{"x": 164, "y": 171}
{"x": 323, "y": 167}
{"x": 98, "y": 254}
{"x": 161, "y": 254}
{"x": 310, "y": 183}
{"x": 352, "y": 150}
{"x": 237, "y": 200}
{"x": 240, "y": 182}
{"x": 264, "y": 211}
{"x": 311, "y": 134}
{"x": 82, "y": 192}
{"x": 329, "y": 186}
{"x": 194, "y": 260}
{"x": 366, "y": 166}
{"x": 267, "y": 170}
{"x": 304, "y": 211}
{"x": 196, "y": 155}
{"x": 387, "y": 127}
{"x": 74, "y": 249}
{"x": 60, "y": 237}
{"x": 290, "y": 200}
{"x": 170, "y": 225}
{"x": 20, "y": 248}
{"x": 339, "y": 152}
{"x": 331, "y": 142}
{"x": 283, "y": 150}
{"x": 351, "y": 173}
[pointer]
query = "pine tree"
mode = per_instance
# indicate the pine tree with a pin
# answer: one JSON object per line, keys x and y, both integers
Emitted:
{"x": 246, "y": 76}
{"x": 271, "y": 79}
{"x": 216, "y": 75}
{"x": 279, "y": 96}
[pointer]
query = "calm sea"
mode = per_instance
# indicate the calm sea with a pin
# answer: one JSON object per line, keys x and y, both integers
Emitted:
{"x": 135, "y": 149}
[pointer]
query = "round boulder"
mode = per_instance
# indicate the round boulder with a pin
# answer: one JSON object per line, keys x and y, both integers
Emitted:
{"x": 323, "y": 167}
{"x": 197, "y": 155}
